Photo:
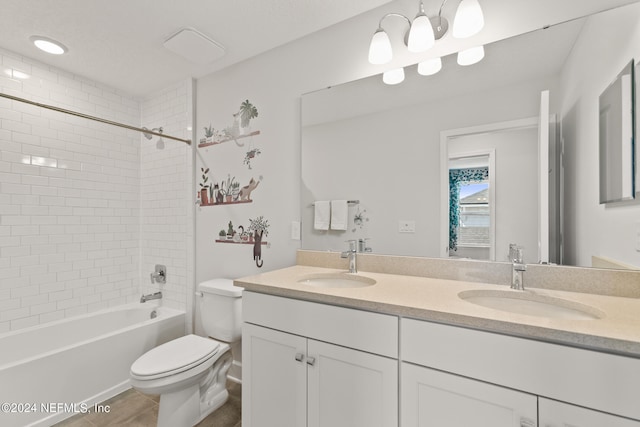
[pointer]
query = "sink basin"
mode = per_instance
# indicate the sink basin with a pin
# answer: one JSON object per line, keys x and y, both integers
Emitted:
{"x": 337, "y": 280}
{"x": 523, "y": 302}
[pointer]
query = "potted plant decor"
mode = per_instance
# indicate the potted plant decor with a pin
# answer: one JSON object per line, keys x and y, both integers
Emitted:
{"x": 247, "y": 112}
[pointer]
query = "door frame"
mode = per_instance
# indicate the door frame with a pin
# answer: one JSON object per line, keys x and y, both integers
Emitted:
{"x": 445, "y": 136}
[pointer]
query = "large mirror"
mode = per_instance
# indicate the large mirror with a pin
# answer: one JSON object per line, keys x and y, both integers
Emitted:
{"x": 395, "y": 151}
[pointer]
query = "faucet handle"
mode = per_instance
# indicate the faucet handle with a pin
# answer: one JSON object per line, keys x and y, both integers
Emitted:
{"x": 353, "y": 245}
{"x": 519, "y": 255}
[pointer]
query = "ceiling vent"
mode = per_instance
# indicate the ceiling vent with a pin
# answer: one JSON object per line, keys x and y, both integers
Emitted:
{"x": 194, "y": 46}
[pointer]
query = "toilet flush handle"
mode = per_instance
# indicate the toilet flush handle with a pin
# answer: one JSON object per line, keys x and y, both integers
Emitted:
{"x": 199, "y": 294}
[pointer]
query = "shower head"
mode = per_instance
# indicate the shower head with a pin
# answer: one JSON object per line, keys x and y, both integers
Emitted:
{"x": 148, "y": 135}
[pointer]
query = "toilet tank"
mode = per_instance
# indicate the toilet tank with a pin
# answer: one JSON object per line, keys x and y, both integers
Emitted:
{"x": 221, "y": 309}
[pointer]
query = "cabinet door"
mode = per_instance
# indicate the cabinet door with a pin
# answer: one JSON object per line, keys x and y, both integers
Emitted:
{"x": 433, "y": 398}
{"x": 274, "y": 390}
{"x": 350, "y": 388}
{"x": 558, "y": 414}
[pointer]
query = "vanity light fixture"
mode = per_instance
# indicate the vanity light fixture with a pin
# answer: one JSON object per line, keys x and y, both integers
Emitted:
{"x": 424, "y": 31}
{"x": 48, "y": 45}
{"x": 422, "y": 34}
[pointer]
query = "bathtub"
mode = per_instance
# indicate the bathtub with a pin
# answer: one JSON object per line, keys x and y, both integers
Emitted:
{"x": 56, "y": 370}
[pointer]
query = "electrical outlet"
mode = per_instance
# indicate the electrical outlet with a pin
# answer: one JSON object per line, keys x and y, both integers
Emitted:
{"x": 295, "y": 230}
{"x": 406, "y": 226}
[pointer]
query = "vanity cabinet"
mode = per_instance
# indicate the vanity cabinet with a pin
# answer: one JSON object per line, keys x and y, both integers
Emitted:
{"x": 315, "y": 365}
{"x": 558, "y": 414}
{"x": 434, "y": 398}
{"x": 455, "y": 376}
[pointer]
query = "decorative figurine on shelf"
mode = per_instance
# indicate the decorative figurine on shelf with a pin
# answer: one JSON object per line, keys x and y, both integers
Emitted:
{"x": 245, "y": 192}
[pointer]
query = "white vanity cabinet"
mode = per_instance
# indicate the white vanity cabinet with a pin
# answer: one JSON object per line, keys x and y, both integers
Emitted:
{"x": 316, "y": 365}
{"x": 434, "y": 398}
{"x": 558, "y": 414}
{"x": 455, "y": 376}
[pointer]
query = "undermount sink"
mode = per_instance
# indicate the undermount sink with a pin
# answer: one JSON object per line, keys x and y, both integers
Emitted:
{"x": 337, "y": 280}
{"x": 523, "y": 302}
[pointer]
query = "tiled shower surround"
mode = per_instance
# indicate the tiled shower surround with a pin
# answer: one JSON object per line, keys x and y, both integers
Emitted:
{"x": 72, "y": 195}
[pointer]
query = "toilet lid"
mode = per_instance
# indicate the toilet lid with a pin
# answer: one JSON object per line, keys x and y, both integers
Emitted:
{"x": 174, "y": 356}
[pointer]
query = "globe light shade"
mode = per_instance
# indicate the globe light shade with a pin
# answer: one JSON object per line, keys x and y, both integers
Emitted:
{"x": 393, "y": 77}
{"x": 430, "y": 67}
{"x": 380, "y": 48}
{"x": 469, "y": 19}
{"x": 471, "y": 56}
{"x": 421, "y": 36}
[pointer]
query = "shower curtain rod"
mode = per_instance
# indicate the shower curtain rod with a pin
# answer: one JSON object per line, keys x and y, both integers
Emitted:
{"x": 96, "y": 119}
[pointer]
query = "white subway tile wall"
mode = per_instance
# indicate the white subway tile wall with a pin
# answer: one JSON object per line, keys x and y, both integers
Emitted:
{"x": 166, "y": 200}
{"x": 71, "y": 230}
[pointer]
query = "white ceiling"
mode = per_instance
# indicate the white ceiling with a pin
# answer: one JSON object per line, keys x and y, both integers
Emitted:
{"x": 120, "y": 42}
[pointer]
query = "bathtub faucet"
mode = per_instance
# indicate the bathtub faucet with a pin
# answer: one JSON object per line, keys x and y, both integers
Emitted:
{"x": 160, "y": 274}
{"x": 145, "y": 298}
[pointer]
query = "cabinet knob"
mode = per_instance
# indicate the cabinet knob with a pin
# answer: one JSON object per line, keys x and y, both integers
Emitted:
{"x": 311, "y": 361}
{"x": 299, "y": 357}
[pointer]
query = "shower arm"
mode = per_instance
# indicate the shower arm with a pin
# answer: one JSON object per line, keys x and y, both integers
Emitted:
{"x": 94, "y": 118}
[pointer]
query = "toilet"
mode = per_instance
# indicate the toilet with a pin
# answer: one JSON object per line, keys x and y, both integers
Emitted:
{"x": 190, "y": 373}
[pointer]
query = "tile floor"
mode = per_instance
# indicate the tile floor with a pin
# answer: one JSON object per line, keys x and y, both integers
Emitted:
{"x": 134, "y": 409}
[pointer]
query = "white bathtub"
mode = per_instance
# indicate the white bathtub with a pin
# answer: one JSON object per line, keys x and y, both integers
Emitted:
{"x": 56, "y": 370}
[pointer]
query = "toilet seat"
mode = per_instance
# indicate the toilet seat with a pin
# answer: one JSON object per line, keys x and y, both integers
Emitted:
{"x": 174, "y": 357}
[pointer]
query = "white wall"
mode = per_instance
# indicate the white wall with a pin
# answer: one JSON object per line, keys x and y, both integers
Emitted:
{"x": 166, "y": 202}
{"x": 601, "y": 230}
{"x": 69, "y": 197}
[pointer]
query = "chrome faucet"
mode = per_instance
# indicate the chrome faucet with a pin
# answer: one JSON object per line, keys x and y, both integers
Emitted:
{"x": 145, "y": 298}
{"x": 351, "y": 254}
{"x": 518, "y": 267}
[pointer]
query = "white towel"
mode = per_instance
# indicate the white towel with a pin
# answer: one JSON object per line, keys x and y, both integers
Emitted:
{"x": 339, "y": 214}
{"x": 322, "y": 215}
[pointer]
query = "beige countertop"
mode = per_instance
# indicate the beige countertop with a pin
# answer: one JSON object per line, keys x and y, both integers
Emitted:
{"x": 616, "y": 331}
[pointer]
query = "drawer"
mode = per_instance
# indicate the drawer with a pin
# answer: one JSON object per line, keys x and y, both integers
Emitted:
{"x": 361, "y": 330}
{"x": 605, "y": 382}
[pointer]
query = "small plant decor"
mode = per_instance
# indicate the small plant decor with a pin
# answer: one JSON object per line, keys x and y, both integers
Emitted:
{"x": 247, "y": 112}
{"x": 259, "y": 225}
{"x": 250, "y": 155}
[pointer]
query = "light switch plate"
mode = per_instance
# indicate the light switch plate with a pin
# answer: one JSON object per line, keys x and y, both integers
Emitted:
{"x": 295, "y": 230}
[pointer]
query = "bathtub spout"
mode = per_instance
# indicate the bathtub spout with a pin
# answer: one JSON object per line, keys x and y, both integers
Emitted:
{"x": 145, "y": 298}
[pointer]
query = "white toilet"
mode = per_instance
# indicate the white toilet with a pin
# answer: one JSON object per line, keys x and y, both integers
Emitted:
{"x": 190, "y": 373}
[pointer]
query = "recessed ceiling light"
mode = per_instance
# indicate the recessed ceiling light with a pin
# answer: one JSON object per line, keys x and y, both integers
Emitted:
{"x": 48, "y": 45}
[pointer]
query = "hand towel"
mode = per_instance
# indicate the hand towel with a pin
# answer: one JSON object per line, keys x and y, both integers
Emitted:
{"x": 322, "y": 215}
{"x": 339, "y": 214}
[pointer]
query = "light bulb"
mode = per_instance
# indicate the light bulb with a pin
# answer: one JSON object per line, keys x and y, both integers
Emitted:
{"x": 471, "y": 56}
{"x": 430, "y": 67}
{"x": 469, "y": 19}
{"x": 393, "y": 77}
{"x": 421, "y": 36}
{"x": 380, "y": 48}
